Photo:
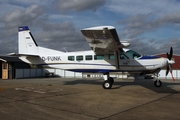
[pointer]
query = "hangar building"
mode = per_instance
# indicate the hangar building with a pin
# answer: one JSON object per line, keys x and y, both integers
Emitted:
{"x": 8, "y": 66}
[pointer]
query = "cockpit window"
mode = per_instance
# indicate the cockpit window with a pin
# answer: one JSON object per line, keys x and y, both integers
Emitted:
{"x": 133, "y": 54}
{"x": 122, "y": 56}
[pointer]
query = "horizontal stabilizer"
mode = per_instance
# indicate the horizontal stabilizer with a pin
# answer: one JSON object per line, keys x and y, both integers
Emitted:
{"x": 21, "y": 55}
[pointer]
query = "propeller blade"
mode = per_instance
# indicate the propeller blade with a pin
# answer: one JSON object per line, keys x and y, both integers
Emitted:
{"x": 172, "y": 76}
{"x": 167, "y": 70}
{"x": 168, "y": 56}
{"x": 171, "y": 53}
{"x": 170, "y": 67}
{"x": 169, "y": 63}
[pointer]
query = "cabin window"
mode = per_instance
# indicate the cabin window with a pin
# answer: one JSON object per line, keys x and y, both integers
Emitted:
{"x": 88, "y": 57}
{"x": 111, "y": 56}
{"x": 133, "y": 54}
{"x": 71, "y": 58}
{"x": 79, "y": 58}
{"x": 98, "y": 57}
{"x": 122, "y": 56}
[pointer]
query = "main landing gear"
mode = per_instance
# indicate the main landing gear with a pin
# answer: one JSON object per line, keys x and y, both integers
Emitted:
{"x": 107, "y": 84}
{"x": 108, "y": 81}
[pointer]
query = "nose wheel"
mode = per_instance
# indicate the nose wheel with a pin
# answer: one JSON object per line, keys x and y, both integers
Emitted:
{"x": 157, "y": 83}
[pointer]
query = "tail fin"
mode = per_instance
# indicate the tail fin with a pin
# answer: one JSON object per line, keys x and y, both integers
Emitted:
{"x": 26, "y": 42}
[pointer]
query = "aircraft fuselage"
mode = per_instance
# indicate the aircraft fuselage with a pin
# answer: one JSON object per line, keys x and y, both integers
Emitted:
{"x": 87, "y": 61}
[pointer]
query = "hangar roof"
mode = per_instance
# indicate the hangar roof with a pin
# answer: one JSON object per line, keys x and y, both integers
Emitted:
{"x": 10, "y": 59}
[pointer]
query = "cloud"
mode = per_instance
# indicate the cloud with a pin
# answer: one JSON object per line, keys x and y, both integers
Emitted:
{"x": 137, "y": 27}
{"x": 143, "y": 23}
{"x": 60, "y": 35}
{"x": 18, "y": 16}
{"x": 173, "y": 42}
{"x": 129, "y": 7}
{"x": 26, "y": 2}
{"x": 55, "y": 24}
{"x": 78, "y": 5}
{"x": 11, "y": 20}
{"x": 152, "y": 47}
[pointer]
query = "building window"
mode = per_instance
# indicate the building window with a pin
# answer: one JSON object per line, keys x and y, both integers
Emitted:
{"x": 5, "y": 65}
{"x": 88, "y": 57}
{"x": 98, "y": 57}
{"x": 79, "y": 58}
{"x": 71, "y": 58}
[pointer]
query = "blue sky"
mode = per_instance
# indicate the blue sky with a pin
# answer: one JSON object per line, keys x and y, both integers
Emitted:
{"x": 152, "y": 27}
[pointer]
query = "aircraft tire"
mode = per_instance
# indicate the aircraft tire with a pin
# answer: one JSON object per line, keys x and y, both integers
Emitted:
{"x": 107, "y": 84}
{"x": 111, "y": 79}
{"x": 157, "y": 83}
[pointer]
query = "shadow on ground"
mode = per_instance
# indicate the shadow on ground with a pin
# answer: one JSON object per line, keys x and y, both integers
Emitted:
{"x": 149, "y": 84}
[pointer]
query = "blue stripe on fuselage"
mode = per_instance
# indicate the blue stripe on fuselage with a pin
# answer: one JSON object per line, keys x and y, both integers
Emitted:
{"x": 149, "y": 57}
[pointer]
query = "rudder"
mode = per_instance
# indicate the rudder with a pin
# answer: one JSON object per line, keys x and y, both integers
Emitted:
{"x": 26, "y": 42}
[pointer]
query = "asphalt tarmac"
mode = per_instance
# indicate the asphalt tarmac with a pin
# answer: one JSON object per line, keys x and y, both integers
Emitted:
{"x": 85, "y": 99}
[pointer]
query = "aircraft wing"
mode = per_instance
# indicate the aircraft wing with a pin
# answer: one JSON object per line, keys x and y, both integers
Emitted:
{"x": 103, "y": 39}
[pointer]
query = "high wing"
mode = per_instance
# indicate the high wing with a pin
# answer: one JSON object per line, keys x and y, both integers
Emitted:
{"x": 103, "y": 39}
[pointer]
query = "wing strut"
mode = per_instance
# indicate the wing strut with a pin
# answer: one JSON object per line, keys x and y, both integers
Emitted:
{"x": 116, "y": 56}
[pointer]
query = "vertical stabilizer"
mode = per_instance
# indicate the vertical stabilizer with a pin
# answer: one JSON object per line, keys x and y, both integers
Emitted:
{"x": 26, "y": 42}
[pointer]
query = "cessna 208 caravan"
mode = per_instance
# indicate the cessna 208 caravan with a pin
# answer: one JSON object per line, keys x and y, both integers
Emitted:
{"x": 108, "y": 54}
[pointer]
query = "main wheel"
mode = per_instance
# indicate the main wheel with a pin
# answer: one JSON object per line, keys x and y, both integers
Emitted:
{"x": 107, "y": 84}
{"x": 157, "y": 83}
{"x": 111, "y": 79}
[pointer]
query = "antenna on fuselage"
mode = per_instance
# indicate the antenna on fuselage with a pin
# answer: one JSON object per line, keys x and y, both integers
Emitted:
{"x": 65, "y": 50}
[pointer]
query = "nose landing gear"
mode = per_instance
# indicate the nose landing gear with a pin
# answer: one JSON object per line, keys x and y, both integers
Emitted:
{"x": 157, "y": 83}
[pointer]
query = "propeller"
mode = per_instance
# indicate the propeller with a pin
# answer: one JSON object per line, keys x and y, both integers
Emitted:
{"x": 169, "y": 63}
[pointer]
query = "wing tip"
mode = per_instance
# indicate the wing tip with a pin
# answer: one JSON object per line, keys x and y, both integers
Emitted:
{"x": 99, "y": 28}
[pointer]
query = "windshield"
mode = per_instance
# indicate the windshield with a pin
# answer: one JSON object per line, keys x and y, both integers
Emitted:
{"x": 132, "y": 54}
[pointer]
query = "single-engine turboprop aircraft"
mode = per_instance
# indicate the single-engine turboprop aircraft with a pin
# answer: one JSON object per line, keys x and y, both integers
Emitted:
{"x": 108, "y": 54}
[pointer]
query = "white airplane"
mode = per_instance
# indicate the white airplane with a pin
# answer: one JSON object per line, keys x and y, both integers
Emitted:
{"x": 108, "y": 54}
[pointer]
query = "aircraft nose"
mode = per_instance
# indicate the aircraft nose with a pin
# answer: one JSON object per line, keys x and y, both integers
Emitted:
{"x": 165, "y": 62}
{"x": 169, "y": 61}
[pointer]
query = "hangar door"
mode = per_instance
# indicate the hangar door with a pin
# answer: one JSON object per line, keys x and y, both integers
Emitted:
{"x": 4, "y": 70}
